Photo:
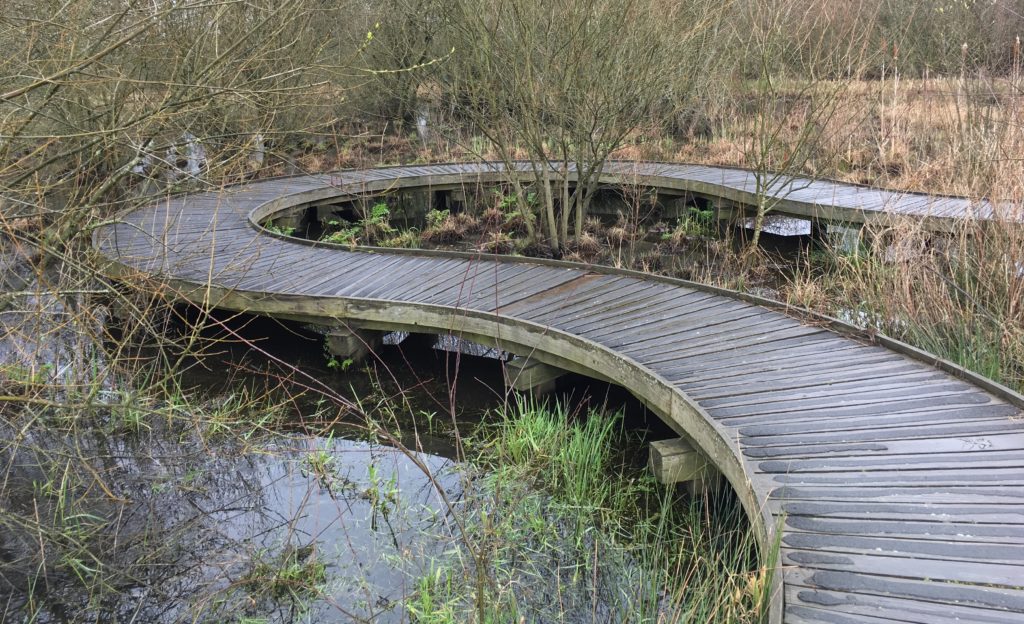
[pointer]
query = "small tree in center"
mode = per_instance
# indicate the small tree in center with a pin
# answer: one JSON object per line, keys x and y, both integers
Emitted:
{"x": 566, "y": 82}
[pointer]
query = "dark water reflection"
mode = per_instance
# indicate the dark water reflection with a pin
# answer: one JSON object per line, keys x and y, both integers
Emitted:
{"x": 202, "y": 535}
{"x": 375, "y": 523}
{"x": 179, "y": 520}
{"x": 283, "y": 524}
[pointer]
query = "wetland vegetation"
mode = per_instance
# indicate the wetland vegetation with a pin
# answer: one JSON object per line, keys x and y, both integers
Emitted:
{"x": 168, "y": 464}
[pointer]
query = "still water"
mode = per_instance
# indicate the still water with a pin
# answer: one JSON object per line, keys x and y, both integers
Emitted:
{"x": 320, "y": 516}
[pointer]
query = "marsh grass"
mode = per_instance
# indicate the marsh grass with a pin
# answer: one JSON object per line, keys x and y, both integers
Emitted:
{"x": 958, "y": 295}
{"x": 570, "y": 531}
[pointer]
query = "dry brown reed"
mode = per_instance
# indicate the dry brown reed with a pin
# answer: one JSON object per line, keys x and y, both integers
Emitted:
{"x": 959, "y": 295}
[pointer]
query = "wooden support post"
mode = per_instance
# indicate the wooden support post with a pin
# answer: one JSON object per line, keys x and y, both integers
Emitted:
{"x": 325, "y": 212}
{"x": 457, "y": 200}
{"x": 725, "y": 210}
{"x": 295, "y": 221}
{"x": 848, "y": 238}
{"x": 351, "y": 343}
{"x": 676, "y": 207}
{"x": 529, "y": 375}
{"x": 676, "y": 461}
{"x": 420, "y": 201}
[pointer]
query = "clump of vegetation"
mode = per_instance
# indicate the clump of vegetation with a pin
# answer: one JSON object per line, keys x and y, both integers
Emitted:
{"x": 376, "y": 225}
{"x": 534, "y": 249}
{"x": 295, "y": 574}
{"x": 447, "y": 233}
{"x": 586, "y": 247}
{"x": 624, "y": 232}
{"x": 341, "y": 233}
{"x": 698, "y": 222}
{"x": 498, "y": 243}
{"x": 697, "y": 225}
{"x": 444, "y": 228}
{"x": 373, "y": 228}
{"x": 492, "y": 219}
{"x": 469, "y": 223}
{"x": 653, "y": 261}
{"x": 281, "y": 230}
{"x": 516, "y": 224}
{"x": 595, "y": 227}
{"x": 561, "y": 523}
{"x": 404, "y": 239}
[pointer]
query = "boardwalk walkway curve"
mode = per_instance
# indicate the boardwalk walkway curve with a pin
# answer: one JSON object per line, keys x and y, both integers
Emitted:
{"x": 897, "y": 480}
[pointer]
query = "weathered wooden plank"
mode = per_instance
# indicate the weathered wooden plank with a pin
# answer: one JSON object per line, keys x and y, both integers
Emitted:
{"x": 477, "y": 276}
{"x": 846, "y": 356}
{"x": 380, "y": 273}
{"x": 530, "y": 282}
{"x": 953, "y": 395}
{"x": 655, "y": 303}
{"x": 837, "y": 607}
{"x": 278, "y": 266}
{"x": 971, "y": 472}
{"x": 760, "y": 331}
{"x": 982, "y": 438}
{"x": 539, "y": 306}
{"x": 482, "y": 285}
{"x": 998, "y": 599}
{"x": 553, "y": 286}
{"x": 640, "y": 323}
{"x": 924, "y": 549}
{"x": 751, "y": 356}
{"x": 801, "y": 614}
{"x": 993, "y": 413}
{"x": 343, "y": 267}
{"x": 630, "y": 328}
{"x": 927, "y": 570}
{"x": 937, "y": 512}
{"x": 788, "y": 446}
{"x": 612, "y": 299}
{"x": 957, "y": 495}
{"x": 412, "y": 270}
{"x": 759, "y": 325}
{"x": 443, "y": 273}
{"x": 902, "y": 386}
{"x": 812, "y": 375}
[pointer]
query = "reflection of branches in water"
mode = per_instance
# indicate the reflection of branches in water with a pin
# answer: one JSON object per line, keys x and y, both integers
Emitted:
{"x": 124, "y": 497}
{"x": 156, "y": 533}
{"x": 191, "y": 520}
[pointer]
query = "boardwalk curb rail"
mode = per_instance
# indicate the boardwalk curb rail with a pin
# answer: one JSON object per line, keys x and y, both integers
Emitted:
{"x": 869, "y": 430}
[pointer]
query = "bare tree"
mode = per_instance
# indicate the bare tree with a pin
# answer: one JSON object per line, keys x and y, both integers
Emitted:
{"x": 792, "y": 81}
{"x": 567, "y": 82}
{"x": 97, "y": 86}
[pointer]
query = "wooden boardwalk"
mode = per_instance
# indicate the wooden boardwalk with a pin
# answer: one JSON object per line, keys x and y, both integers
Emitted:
{"x": 897, "y": 482}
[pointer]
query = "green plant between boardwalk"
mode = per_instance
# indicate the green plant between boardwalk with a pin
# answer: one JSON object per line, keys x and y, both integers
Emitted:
{"x": 566, "y": 531}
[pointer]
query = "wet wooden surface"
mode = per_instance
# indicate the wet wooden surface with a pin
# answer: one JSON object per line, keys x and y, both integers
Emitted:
{"x": 899, "y": 486}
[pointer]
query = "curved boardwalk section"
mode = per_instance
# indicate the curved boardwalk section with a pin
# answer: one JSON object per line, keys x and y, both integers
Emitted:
{"x": 898, "y": 485}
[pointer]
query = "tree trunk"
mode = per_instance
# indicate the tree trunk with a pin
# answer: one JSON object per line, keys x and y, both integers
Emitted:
{"x": 585, "y": 192}
{"x": 762, "y": 212}
{"x": 524, "y": 207}
{"x": 566, "y": 204}
{"x": 549, "y": 205}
